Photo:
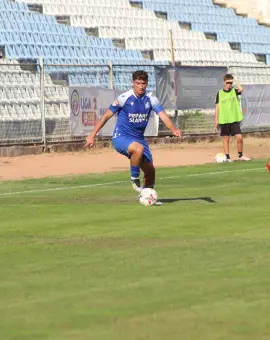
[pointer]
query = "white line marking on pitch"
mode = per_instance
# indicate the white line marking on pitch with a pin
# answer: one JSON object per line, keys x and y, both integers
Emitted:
{"x": 62, "y": 188}
{"x": 120, "y": 182}
{"x": 225, "y": 171}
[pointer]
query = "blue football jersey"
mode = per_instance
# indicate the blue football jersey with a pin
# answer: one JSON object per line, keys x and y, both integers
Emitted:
{"x": 133, "y": 113}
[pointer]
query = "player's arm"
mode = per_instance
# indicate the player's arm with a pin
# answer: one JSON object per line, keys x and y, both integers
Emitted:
{"x": 216, "y": 116}
{"x": 216, "y": 112}
{"x": 158, "y": 108}
{"x": 239, "y": 88}
{"x": 169, "y": 124}
{"x": 112, "y": 110}
{"x": 90, "y": 140}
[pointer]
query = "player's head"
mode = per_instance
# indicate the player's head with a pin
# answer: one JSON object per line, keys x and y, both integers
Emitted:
{"x": 228, "y": 81}
{"x": 140, "y": 81}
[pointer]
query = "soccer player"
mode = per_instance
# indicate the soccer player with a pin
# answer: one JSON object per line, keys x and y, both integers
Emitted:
{"x": 133, "y": 109}
{"x": 228, "y": 116}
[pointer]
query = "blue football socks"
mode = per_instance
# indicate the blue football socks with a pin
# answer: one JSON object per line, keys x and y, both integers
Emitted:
{"x": 135, "y": 172}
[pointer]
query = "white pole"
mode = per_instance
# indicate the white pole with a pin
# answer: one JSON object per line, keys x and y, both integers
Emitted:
{"x": 173, "y": 64}
{"x": 42, "y": 102}
{"x": 172, "y": 48}
{"x": 111, "y": 74}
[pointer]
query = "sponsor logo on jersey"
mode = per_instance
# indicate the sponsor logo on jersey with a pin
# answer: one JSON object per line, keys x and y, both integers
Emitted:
{"x": 138, "y": 117}
{"x": 147, "y": 105}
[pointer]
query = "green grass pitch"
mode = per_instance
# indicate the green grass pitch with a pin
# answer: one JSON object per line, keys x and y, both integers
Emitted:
{"x": 82, "y": 259}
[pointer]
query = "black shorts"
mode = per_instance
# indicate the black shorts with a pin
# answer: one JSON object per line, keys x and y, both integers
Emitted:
{"x": 231, "y": 129}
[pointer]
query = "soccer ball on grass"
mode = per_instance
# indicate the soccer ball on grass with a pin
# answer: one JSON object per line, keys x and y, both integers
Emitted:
{"x": 148, "y": 197}
{"x": 221, "y": 158}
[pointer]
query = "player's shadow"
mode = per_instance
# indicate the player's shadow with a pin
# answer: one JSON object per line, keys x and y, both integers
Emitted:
{"x": 173, "y": 200}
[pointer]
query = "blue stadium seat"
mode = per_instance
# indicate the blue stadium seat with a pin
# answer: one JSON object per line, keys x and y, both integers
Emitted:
{"x": 206, "y": 17}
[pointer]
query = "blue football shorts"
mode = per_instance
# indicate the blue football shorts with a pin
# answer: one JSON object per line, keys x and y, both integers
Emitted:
{"x": 122, "y": 143}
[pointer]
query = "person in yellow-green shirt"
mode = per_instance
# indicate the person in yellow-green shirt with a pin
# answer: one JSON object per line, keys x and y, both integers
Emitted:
{"x": 228, "y": 116}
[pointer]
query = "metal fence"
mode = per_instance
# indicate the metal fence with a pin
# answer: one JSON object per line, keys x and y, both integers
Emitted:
{"x": 20, "y": 104}
{"x": 34, "y": 103}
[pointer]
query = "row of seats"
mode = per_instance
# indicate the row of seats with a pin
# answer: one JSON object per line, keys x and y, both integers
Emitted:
{"x": 133, "y": 32}
{"x": 121, "y": 78}
{"x": 100, "y": 79}
{"x": 108, "y": 21}
{"x": 23, "y": 51}
{"x": 17, "y": 95}
{"x": 96, "y": 11}
{"x": 100, "y": 3}
{"x": 259, "y": 9}
{"x": 19, "y": 112}
{"x": 11, "y": 15}
{"x": 14, "y": 6}
{"x": 7, "y": 38}
{"x": 209, "y": 58}
{"x": 161, "y": 43}
{"x": 39, "y": 27}
{"x": 29, "y": 112}
{"x": 200, "y": 13}
{"x": 257, "y": 48}
{"x": 248, "y": 75}
{"x": 189, "y": 8}
{"x": 242, "y": 37}
{"x": 177, "y": 2}
{"x": 214, "y": 19}
{"x": 216, "y": 28}
{"x": 57, "y": 111}
{"x": 10, "y": 78}
{"x": 32, "y": 95}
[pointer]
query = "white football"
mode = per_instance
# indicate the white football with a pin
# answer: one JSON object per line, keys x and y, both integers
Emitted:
{"x": 221, "y": 158}
{"x": 148, "y": 197}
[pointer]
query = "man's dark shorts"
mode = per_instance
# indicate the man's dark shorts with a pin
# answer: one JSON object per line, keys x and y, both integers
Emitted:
{"x": 231, "y": 129}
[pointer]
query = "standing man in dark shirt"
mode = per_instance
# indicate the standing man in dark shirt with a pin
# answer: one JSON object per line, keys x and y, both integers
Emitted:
{"x": 228, "y": 116}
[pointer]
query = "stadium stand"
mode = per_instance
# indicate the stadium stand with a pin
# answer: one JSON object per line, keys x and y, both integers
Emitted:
{"x": 142, "y": 30}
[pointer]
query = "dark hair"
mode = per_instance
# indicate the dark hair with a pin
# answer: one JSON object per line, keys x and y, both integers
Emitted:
{"x": 228, "y": 76}
{"x": 140, "y": 75}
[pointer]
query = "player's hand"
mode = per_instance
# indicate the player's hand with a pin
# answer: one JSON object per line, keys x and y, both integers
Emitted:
{"x": 90, "y": 141}
{"x": 217, "y": 126}
{"x": 177, "y": 133}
